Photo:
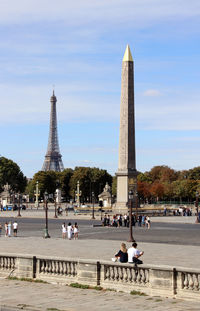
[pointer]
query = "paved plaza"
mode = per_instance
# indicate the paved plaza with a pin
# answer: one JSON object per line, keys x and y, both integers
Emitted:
{"x": 34, "y": 296}
{"x": 47, "y": 297}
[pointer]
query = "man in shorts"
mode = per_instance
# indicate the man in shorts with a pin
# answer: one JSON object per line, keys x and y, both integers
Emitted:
{"x": 15, "y": 227}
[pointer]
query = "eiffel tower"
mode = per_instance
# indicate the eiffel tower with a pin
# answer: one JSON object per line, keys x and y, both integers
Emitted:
{"x": 53, "y": 158}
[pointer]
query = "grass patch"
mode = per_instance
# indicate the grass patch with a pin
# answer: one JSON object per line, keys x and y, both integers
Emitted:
{"x": 26, "y": 280}
{"x": 53, "y": 309}
{"x": 135, "y": 292}
{"x": 84, "y": 286}
{"x": 97, "y": 287}
{"x": 158, "y": 300}
{"x": 149, "y": 299}
{"x": 112, "y": 290}
{"x": 77, "y": 285}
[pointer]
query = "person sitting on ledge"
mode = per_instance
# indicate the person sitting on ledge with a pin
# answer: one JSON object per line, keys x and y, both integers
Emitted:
{"x": 134, "y": 254}
{"x": 122, "y": 255}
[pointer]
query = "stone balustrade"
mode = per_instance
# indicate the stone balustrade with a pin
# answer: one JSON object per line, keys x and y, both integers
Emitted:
{"x": 152, "y": 280}
{"x": 56, "y": 268}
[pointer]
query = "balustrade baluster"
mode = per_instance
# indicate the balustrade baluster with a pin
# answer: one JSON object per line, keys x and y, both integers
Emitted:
{"x": 64, "y": 268}
{"x": 129, "y": 272}
{"x": 74, "y": 269}
{"x": 112, "y": 275}
{"x": 120, "y": 274}
{"x": 69, "y": 268}
{"x": 196, "y": 282}
{"x": 8, "y": 263}
{"x": 45, "y": 266}
{"x": 106, "y": 272}
{"x": 186, "y": 282}
{"x": 116, "y": 273}
{"x": 191, "y": 281}
{"x": 41, "y": 266}
{"x": 134, "y": 275}
{"x": 139, "y": 276}
{"x": 56, "y": 265}
{"x": 61, "y": 267}
{"x": 53, "y": 267}
{"x": 125, "y": 275}
{"x": 143, "y": 279}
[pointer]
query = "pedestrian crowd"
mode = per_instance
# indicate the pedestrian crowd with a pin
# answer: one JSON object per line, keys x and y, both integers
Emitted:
{"x": 8, "y": 226}
{"x": 70, "y": 231}
{"x": 120, "y": 220}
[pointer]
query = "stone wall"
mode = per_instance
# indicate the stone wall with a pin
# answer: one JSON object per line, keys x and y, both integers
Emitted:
{"x": 152, "y": 280}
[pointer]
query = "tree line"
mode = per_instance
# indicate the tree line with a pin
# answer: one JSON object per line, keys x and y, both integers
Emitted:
{"x": 161, "y": 183}
{"x": 91, "y": 181}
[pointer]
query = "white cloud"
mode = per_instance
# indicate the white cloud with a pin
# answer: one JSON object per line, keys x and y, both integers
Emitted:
{"x": 152, "y": 92}
{"x": 79, "y": 12}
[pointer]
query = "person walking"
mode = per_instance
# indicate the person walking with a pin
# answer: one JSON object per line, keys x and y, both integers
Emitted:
{"x": 148, "y": 222}
{"x": 0, "y": 229}
{"x": 76, "y": 231}
{"x": 15, "y": 227}
{"x": 125, "y": 220}
{"x": 64, "y": 231}
{"x": 134, "y": 254}
{"x": 139, "y": 220}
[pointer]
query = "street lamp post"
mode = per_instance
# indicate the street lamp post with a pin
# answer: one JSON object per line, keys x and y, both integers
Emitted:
{"x": 18, "y": 215}
{"x": 93, "y": 205}
{"x": 197, "y": 207}
{"x": 130, "y": 203}
{"x": 136, "y": 203}
{"x": 37, "y": 193}
{"x": 55, "y": 203}
{"x": 46, "y": 233}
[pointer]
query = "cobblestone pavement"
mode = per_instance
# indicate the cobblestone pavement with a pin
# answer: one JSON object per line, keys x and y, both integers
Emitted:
{"x": 48, "y": 297}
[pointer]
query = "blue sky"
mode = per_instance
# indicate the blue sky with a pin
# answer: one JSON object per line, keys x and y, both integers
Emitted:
{"x": 78, "y": 47}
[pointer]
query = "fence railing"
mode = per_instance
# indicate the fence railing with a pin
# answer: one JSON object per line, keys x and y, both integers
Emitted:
{"x": 152, "y": 280}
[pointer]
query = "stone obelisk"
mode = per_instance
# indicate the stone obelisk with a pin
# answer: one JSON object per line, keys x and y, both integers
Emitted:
{"x": 126, "y": 174}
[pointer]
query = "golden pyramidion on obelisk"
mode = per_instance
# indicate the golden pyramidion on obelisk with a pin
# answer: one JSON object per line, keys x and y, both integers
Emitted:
{"x": 127, "y": 55}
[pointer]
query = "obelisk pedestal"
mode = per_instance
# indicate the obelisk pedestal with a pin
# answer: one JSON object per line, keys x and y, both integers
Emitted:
{"x": 126, "y": 174}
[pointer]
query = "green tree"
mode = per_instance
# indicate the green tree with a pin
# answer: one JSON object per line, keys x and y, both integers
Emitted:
{"x": 47, "y": 181}
{"x": 194, "y": 173}
{"x": 65, "y": 178}
{"x": 10, "y": 173}
{"x": 90, "y": 180}
{"x": 114, "y": 186}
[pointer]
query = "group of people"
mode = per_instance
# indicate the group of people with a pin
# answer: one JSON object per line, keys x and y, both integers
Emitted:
{"x": 8, "y": 228}
{"x": 119, "y": 220}
{"x": 70, "y": 231}
{"x": 131, "y": 255}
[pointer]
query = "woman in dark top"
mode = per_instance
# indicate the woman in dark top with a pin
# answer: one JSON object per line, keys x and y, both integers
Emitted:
{"x": 122, "y": 255}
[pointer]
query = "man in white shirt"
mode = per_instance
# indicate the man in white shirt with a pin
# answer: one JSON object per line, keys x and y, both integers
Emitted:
{"x": 134, "y": 254}
{"x": 15, "y": 227}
